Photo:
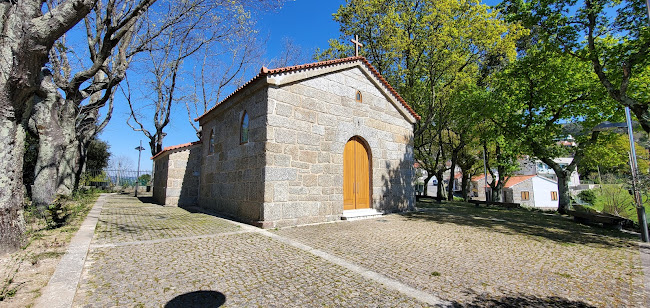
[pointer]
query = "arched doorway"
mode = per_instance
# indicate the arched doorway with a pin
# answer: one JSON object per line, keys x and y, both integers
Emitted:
{"x": 356, "y": 175}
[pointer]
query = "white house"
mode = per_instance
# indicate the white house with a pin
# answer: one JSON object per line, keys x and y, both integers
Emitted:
{"x": 531, "y": 191}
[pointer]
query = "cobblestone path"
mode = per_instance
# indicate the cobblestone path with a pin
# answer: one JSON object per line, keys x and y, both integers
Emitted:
{"x": 492, "y": 259}
{"x": 148, "y": 255}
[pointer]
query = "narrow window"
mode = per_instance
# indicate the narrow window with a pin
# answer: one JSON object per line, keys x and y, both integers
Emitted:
{"x": 554, "y": 195}
{"x": 525, "y": 196}
{"x": 211, "y": 145}
{"x": 243, "y": 135}
{"x": 358, "y": 97}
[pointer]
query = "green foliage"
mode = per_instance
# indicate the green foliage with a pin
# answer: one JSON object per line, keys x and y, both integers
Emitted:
{"x": 616, "y": 45}
{"x": 97, "y": 155}
{"x": 538, "y": 99}
{"x": 95, "y": 178}
{"x": 611, "y": 155}
{"x": 56, "y": 212}
{"x": 144, "y": 179}
{"x": 423, "y": 48}
{"x": 64, "y": 209}
{"x": 587, "y": 196}
{"x": 616, "y": 200}
{"x": 7, "y": 287}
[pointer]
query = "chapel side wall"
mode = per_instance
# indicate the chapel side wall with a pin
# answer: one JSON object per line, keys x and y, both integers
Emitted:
{"x": 161, "y": 166}
{"x": 185, "y": 166}
{"x": 180, "y": 177}
{"x": 310, "y": 122}
{"x": 231, "y": 180}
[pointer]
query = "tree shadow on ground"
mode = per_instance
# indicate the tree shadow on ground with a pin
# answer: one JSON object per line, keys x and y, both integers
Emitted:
{"x": 525, "y": 222}
{"x": 201, "y": 298}
{"x": 149, "y": 200}
{"x": 522, "y": 300}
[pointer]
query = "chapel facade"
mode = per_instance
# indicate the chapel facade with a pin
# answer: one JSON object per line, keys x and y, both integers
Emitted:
{"x": 296, "y": 145}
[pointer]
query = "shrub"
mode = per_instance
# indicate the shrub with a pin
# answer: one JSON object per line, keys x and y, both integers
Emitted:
{"x": 587, "y": 196}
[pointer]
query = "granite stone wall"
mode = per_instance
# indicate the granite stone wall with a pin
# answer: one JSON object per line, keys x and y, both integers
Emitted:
{"x": 516, "y": 193}
{"x": 161, "y": 168}
{"x": 231, "y": 181}
{"x": 309, "y": 123}
{"x": 177, "y": 177}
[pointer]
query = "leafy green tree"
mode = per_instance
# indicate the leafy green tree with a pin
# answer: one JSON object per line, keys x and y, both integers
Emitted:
{"x": 427, "y": 49}
{"x": 612, "y": 35}
{"x": 540, "y": 93}
{"x": 97, "y": 155}
{"x": 610, "y": 155}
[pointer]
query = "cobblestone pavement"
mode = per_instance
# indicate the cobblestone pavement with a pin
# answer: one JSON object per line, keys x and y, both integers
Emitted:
{"x": 127, "y": 219}
{"x": 201, "y": 257}
{"x": 148, "y": 255}
{"x": 492, "y": 258}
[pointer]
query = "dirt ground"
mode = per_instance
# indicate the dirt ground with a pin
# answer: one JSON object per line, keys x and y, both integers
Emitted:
{"x": 24, "y": 273}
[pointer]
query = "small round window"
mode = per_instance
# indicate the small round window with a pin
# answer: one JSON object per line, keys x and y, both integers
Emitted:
{"x": 358, "y": 97}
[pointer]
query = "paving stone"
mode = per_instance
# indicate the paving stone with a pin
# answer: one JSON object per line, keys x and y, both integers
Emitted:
{"x": 483, "y": 262}
{"x": 125, "y": 219}
{"x": 202, "y": 259}
{"x": 148, "y": 255}
{"x": 248, "y": 269}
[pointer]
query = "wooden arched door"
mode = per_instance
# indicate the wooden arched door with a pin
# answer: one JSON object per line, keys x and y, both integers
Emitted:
{"x": 356, "y": 175}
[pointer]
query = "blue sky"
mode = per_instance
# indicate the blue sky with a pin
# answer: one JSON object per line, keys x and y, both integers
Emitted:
{"x": 307, "y": 23}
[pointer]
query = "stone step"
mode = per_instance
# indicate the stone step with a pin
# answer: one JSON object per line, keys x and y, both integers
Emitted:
{"x": 360, "y": 214}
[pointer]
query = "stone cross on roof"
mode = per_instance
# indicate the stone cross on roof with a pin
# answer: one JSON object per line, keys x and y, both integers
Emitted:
{"x": 356, "y": 43}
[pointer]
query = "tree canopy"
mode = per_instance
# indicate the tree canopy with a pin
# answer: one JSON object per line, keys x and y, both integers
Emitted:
{"x": 612, "y": 35}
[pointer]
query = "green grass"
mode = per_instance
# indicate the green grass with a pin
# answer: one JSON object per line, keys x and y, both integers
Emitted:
{"x": 615, "y": 199}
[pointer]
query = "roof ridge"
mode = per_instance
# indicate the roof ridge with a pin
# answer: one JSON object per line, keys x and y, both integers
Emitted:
{"x": 264, "y": 71}
{"x": 176, "y": 147}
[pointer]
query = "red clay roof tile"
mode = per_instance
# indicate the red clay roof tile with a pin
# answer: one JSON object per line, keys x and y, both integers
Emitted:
{"x": 176, "y": 147}
{"x": 265, "y": 71}
{"x": 516, "y": 179}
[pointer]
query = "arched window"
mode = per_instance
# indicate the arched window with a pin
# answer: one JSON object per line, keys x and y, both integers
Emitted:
{"x": 358, "y": 98}
{"x": 211, "y": 144}
{"x": 243, "y": 134}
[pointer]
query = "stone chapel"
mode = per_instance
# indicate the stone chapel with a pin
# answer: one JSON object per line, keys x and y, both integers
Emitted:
{"x": 296, "y": 145}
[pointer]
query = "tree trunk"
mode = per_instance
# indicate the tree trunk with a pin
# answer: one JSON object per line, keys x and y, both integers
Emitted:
{"x": 82, "y": 156}
{"x": 440, "y": 194}
{"x": 53, "y": 120}
{"x": 26, "y": 36}
{"x": 426, "y": 182}
{"x": 465, "y": 186}
{"x": 12, "y": 223}
{"x": 452, "y": 178}
{"x": 495, "y": 194}
{"x": 563, "y": 192}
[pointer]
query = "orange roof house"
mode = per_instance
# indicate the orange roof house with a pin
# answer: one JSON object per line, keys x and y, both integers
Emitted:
{"x": 528, "y": 190}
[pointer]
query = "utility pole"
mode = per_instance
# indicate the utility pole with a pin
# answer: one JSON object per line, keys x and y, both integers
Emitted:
{"x": 485, "y": 175}
{"x": 640, "y": 210}
{"x": 137, "y": 176}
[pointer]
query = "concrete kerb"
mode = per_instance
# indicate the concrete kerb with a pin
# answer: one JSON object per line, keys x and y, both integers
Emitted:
{"x": 61, "y": 288}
